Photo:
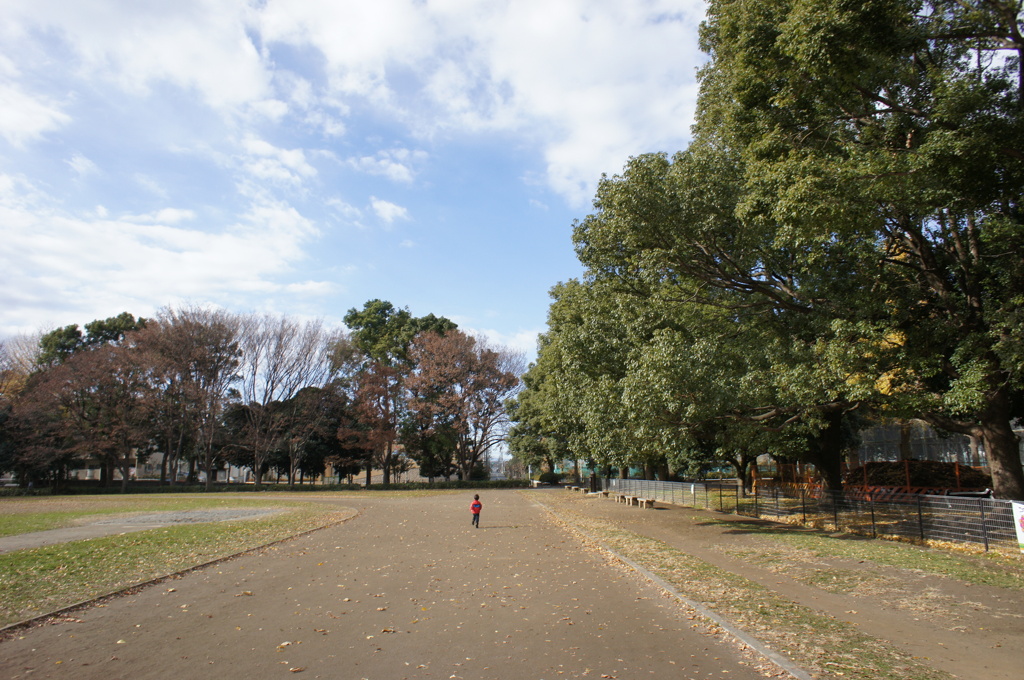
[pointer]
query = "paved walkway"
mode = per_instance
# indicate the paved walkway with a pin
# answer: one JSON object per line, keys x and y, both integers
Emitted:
{"x": 407, "y": 589}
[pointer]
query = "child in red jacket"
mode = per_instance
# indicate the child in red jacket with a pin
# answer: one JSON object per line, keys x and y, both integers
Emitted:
{"x": 475, "y": 507}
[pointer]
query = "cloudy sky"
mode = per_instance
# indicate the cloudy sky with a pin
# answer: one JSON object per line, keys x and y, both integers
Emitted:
{"x": 301, "y": 157}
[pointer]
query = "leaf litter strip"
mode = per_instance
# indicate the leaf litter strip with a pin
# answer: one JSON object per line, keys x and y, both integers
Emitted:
{"x": 57, "y": 615}
{"x": 753, "y": 643}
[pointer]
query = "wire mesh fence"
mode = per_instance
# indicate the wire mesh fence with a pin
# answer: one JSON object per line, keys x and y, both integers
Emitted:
{"x": 985, "y": 522}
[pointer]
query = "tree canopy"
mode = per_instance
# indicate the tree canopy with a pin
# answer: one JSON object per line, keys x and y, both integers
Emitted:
{"x": 843, "y": 236}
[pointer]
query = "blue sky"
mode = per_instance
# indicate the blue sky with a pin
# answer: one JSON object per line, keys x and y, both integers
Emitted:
{"x": 301, "y": 157}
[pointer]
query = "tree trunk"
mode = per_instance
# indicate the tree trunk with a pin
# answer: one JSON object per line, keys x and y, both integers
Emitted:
{"x": 905, "y": 451}
{"x": 999, "y": 440}
{"x": 163, "y": 461}
{"x": 826, "y": 451}
{"x": 1003, "y": 453}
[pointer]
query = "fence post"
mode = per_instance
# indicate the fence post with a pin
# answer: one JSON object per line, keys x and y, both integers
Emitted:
{"x": 776, "y": 494}
{"x": 756, "y": 513}
{"x": 835, "y": 508}
{"x": 871, "y": 503}
{"x": 803, "y": 504}
{"x": 721, "y": 498}
{"x": 984, "y": 529}
{"x": 920, "y": 518}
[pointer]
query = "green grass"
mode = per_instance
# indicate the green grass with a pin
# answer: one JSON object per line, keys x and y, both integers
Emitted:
{"x": 41, "y": 580}
{"x": 26, "y": 515}
{"x": 23, "y": 515}
{"x": 990, "y": 569}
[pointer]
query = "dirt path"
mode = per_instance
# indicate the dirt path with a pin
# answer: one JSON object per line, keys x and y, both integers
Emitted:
{"x": 971, "y": 631}
{"x": 407, "y": 589}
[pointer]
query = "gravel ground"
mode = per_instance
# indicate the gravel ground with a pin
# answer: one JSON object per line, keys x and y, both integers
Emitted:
{"x": 407, "y": 589}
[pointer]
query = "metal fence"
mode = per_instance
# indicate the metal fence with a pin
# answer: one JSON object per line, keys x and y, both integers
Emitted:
{"x": 982, "y": 521}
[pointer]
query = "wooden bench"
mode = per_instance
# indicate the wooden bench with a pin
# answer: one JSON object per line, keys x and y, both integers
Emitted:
{"x": 645, "y": 502}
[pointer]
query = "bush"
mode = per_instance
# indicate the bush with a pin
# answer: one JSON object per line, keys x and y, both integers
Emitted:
{"x": 551, "y": 477}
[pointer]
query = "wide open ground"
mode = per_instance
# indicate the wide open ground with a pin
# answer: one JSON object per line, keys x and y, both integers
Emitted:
{"x": 407, "y": 589}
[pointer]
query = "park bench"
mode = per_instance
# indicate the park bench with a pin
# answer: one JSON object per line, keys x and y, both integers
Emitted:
{"x": 645, "y": 502}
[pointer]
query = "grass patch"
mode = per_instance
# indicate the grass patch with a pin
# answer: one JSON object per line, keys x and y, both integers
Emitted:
{"x": 28, "y": 514}
{"x": 815, "y": 642}
{"x": 25, "y": 515}
{"x": 41, "y": 580}
{"x": 990, "y": 569}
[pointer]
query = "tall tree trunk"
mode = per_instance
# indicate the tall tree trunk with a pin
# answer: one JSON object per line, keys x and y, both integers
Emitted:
{"x": 386, "y": 463}
{"x": 999, "y": 440}
{"x": 163, "y": 460}
{"x": 826, "y": 450}
{"x": 1002, "y": 449}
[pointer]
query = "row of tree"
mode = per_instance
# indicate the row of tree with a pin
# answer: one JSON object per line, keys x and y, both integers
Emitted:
{"x": 843, "y": 240}
{"x": 208, "y": 387}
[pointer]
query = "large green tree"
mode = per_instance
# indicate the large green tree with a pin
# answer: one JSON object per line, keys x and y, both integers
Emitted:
{"x": 884, "y": 142}
{"x": 843, "y": 233}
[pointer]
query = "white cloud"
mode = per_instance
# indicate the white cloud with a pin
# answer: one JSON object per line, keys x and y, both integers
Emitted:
{"x": 524, "y": 341}
{"x": 311, "y": 288}
{"x": 52, "y": 261}
{"x": 268, "y": 162}
{"x": 197, "y": 45}
{"x": 162, "y": 216}
{"x": 25, "y": 117}
{"x": 82, "y": 165}
{"x": 150, "y": 184}
{"x": 387, "y": 211}
{"x": 395, "y": 164}
{"x": 593, "y": 81}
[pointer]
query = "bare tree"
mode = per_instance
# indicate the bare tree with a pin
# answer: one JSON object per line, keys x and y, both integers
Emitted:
{"x": 19, "y": 356}
{"x": 280, "y": 357}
